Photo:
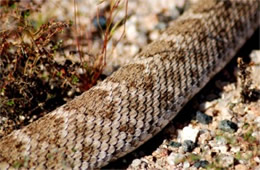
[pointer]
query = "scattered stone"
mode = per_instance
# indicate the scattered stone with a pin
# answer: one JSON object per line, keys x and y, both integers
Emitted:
{"x": 220, "y": 149}
{"x": 221, "y": 140}
{"x": 21, "y": 117}
{"x": 257, "y": 159}
{"x": 240, "y": 167}
{"x": 201, "y": 163}
{"x": 208, "y": 104}
{"x": 175, "y": 144}
{"x": 258, "y": 167}
{"x": 100, "y": 22}
{"x": 203, "y": 118}
{"x": 204, "y": 137}
{"x": 136, "y": 162}
{"x": 226, "y": 160}
{"x": 186, "y": 164}
{"x": 228, "y": 126}
{"x": 188, "y": 145}
{"x": 175, "y": 158}
{"x": 197, "y": 150}
{"x": 189, "y": 133}
{"x": 235, "y": 149}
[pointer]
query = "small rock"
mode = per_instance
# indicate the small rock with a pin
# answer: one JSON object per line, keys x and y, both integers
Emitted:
{"x": 250, "y": 117}
{"x": 257, "y": 121}
{"x": 204, "y": 136}
{"x": 224, "y": 110}
{"x": 235, "y": 149}
{"x": 197, "y": 150}
{"x": 207, "y": 105}
{"x": 221, "y": 140}
{"x": 162, "y": 152}
{"x": 201, "y": 163}
{"x": 189, "y": 133}
{"x": 21, "y": 117}
{"x": 133, "y": 49}
{"x": 257, "y": 159}
{"x": 136, "y": 162}
{"x": 257, "y": 168}
{"x": 175, "y": 144}
{"x": 186, "y": 164}
{"x": 203, "y": 118}
{"x": 226, "y": 160}
{"x": 240, "y": 167}
{"x": 188, "y": 145}
{"x": 100, "y": 22}
{"x": 161, "y": 26}
{"x": 175, "y": 158}
{"x": 228, "y": 126}
{"x": 154, "y": 35}
{"x": 220, "y": 148}
{"x": 256, "y": 135}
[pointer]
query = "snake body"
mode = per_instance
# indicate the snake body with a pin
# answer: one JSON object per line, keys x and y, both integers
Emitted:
{"x": 132, "y": 105}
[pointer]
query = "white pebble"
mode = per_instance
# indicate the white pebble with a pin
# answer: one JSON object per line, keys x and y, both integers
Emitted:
{"x": 136, "y": 162}
{"x": 21, "y": 117}
{"x": 189, "y": 133}
{"x": 256, "y": 135}
{"x": 175, "y": 158}
{"x": 235, "y": 149}
{"x": 226, "y": 160}
{"x": 186, "y": 164}
{"x": 221, "y": 149}
{"x": 257, "y": 159}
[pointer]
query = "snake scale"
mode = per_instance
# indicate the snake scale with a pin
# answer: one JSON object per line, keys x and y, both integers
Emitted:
{"x": 133, "y": 104}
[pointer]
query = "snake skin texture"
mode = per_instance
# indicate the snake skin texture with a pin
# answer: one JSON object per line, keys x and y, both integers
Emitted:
{"x": 137, "y": 101}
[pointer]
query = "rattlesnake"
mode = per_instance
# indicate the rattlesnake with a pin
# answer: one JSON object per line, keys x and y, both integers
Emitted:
{"x": 137, "y": 101}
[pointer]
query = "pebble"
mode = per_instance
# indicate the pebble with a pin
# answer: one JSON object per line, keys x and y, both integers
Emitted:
{"x": 256, "y": 135}
{"x": 250, "y": 117}
{"x": 257, "y": 121}
{"x": 21, "y": 117}
{"x": 235, "y": 149}
{"x": 204, "y": 136}
{"x": 207, "y": 105}
{"x": 189, "y": 133}
{"x": 221, "y": 149}
{"x": 175, "y": 158}
{"x": 131, "y": 33}
{"x": 257, "y": 168}
{"x": 203, "y": 118}
{"x": 240, "y": 167}
{"x": 100, "y": 22}
{"x": 257, "y": 159}
{"x": 228, "y": 126}
{"x": 186, "y": 164}
{"x": 154, "y": 35}
{"x": 175, "y": 144}
{"x": 188, "y": 145}
{"x": 221, "y": 140}
{"x": 201, "y": 163}
{"x": 225, "y": 112}
{"x": 226, "y": 160}
{"x": 136, "y": 162}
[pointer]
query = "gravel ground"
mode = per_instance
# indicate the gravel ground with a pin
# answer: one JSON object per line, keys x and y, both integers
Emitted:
{"x": 216, "y": 129}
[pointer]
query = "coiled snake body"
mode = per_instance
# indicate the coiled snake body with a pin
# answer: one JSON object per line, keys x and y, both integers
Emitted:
{"x": 137, "y": 101}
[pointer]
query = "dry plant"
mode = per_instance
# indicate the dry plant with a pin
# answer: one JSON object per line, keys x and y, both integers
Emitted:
{"x": 247, "y": 93}
{"x": 28, "y": 71}
{"x": 32, "y": 82}
{"x": 107, "y": 29}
